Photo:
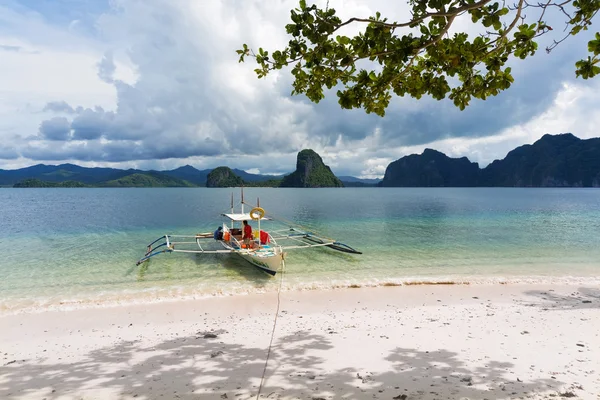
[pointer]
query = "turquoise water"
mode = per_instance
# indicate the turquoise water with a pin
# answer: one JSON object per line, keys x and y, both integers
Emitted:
{"x": 77, "y": 247}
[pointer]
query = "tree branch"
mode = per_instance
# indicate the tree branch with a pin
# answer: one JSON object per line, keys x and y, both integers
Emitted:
{"x": 450, "y": 13}
{"x": 421, "y": 48}
{"x": 507, "y": 31}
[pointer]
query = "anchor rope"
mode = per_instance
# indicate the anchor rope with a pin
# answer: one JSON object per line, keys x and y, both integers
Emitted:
{"x": 262, "y": 379}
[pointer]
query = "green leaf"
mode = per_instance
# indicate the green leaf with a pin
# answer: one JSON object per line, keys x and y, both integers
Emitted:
{"x": 376, "y": 60}
{"x": 594, "y": 46}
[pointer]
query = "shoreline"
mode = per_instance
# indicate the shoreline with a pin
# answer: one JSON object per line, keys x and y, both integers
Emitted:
{"x": 176, "y": 294}
{"x": 419, "y": 341}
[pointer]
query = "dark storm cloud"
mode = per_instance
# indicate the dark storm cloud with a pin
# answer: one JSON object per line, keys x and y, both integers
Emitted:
{"x": 57, "y": 128}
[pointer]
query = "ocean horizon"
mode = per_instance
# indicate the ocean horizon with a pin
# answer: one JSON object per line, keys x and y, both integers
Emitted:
{"x": 72, "y": 248}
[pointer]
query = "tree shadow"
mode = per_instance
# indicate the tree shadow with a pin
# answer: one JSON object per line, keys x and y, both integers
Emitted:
{"x": 582, "y": 298}
{"x": 198, "y": 367}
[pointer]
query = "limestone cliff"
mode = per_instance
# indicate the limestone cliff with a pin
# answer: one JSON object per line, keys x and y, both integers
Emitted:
{"x": 223, "y": 177}
{"x": 311, "y": 172}
{"x": 431, "y": 169}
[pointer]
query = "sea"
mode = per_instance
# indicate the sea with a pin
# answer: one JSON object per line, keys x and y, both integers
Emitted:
{"x": 71, "y": 248}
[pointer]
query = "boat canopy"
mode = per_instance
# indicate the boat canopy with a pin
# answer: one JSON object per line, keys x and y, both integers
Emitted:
{"x": 241, "y": 217}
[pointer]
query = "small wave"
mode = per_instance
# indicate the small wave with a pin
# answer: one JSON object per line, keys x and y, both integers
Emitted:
{"x": 184, "y": 293}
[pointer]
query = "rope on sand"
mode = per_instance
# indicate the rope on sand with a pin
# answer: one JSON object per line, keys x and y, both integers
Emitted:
{"x": 262, "y": 379}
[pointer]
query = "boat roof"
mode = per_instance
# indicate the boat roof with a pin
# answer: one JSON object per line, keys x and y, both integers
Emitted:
{"x": 241, "y": 217}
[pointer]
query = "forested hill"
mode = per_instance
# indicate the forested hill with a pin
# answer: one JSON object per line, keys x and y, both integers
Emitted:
{"x": 553, "y": 161}
{"x": 311, "y": 172}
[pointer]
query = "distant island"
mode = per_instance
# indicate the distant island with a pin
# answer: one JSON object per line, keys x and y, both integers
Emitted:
{"x": 553, "y": 161}
{"x": 310, "y": 172}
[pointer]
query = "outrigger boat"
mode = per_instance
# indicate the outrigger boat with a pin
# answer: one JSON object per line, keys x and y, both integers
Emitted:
{"x": 266, "y": 251}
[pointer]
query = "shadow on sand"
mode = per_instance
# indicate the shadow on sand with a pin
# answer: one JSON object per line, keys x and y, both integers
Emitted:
{"x": 582, "y": 298}
{"x": 195, "y": 367}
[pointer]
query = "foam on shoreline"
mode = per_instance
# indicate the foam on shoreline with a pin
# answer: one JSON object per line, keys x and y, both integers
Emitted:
{"x": 184, "y": 293}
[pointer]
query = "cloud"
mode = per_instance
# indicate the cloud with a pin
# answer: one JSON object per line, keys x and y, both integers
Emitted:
{"x": 57, "y": 128}
{"x": 10, "y": 48}
{"x": 59, "y": 107}
{"x": 157, "y": 82}
{"x": 8, "y": 153}
{"x": 90, "y": 124}
{"x": 107, "y": 68}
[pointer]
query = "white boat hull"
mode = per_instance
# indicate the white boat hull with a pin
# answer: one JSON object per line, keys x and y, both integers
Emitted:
{"x": 267, "y": 260}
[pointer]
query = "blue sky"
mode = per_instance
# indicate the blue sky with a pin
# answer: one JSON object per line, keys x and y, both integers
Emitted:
{"x": 156, "y": 84}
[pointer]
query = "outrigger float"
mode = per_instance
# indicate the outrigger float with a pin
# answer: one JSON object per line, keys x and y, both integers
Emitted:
{"x": 266, "y": 251}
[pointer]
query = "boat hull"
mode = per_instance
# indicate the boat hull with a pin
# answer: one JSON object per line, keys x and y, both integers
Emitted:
{"x": 269, "y": 263}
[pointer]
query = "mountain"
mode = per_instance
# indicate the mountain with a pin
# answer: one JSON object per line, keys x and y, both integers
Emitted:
{"x": 431, "y": 169}
{"x": 248, "y": 177}
{"x": 552, "y": 161}
{"x": 62, "y": 173}
{"x": 359, "y": 180}
{"x": 561, "y": 160}
{"x": 223, "y": 177}
{"x": 311, "y": 172}
{"x": 146, "y": 179}
{"x": 143, "y": 179}
{"x": 97, "y": 176}
{"x": 36, "y": 183}
{"x": 351, "y": 181}
{"x": 190, "y": 174}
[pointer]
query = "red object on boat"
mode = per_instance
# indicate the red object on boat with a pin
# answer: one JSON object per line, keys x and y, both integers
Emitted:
{"x": 264, "y": 237}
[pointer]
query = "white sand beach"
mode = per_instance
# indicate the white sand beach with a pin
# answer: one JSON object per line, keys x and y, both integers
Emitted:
{"x": 407, "y": 342}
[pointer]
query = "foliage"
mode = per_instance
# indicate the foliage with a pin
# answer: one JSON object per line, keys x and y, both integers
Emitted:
{"x": 37, "y": 183}
{"x": 223, "y": 177}
{"x": 267, "y": 183}
{"x": 419, "y": 57}
{"x": 311, "y": 172}
{"x": 431, "y": 169}
{"x": 559, "y": 160}
{"x": 147, "y": 179}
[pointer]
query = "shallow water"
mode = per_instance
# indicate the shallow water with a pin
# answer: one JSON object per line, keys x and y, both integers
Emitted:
{"x": 73, "y": 247}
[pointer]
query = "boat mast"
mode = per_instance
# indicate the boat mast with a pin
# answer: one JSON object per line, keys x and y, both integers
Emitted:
{"x": 242, "y": 199}
{"x": 232, "y": 223}
{"x": 258, "y": 205}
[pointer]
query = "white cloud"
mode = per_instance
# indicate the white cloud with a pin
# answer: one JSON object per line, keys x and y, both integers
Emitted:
{"x": 158, "y": 85}
{"x": 569, "y": 113}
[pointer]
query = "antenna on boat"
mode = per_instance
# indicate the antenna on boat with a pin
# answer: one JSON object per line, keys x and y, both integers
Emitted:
{"x": 242, "y": 198}
{"x": 232, "y": 202}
